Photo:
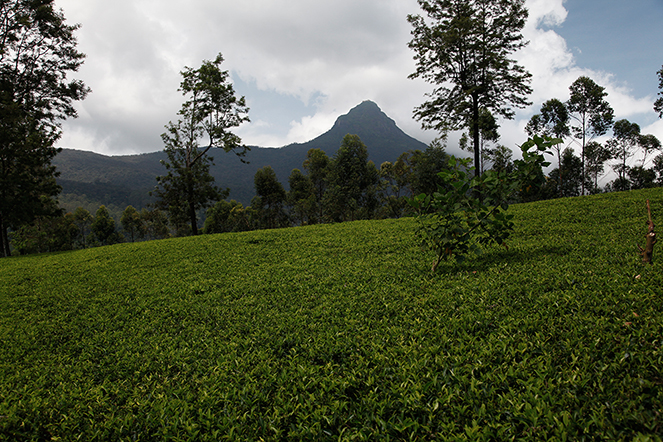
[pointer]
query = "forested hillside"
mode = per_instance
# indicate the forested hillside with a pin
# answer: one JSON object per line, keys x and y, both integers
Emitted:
{"x": 90, "y": 180}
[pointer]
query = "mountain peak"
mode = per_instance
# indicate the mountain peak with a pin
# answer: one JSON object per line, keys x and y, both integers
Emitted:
{"x": 366, "y": 114}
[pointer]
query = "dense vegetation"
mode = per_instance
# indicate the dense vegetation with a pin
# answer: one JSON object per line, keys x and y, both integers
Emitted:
{"x": 339, "y": 332}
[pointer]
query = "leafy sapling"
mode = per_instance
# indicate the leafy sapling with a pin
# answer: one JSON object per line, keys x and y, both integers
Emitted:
{"x": 467, "y": 211}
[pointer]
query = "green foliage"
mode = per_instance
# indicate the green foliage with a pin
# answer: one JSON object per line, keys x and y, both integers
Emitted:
{"x": 46, "y": 234}
{"x": 38, "y": 57}
{"x": 83, "y": 219}
{"x": 467, "y": 211}
{"x": 658, "y": 104}
{"x": 132, "y": 223}
{"x": 156, "y": 223}
{"x": 566, "y": 180}
{"x": 210, "y": 111}
{"x": 224, "y": 217}
{"x": 270, "y": 199}
{"x": 591, "y": 113}
{"x": 103, "y": 228}
{"x": 352, "y": 182}
{"x": 337, "y": 332}
{"x": 464, "y": 48}
{"x": 301, "y": 198}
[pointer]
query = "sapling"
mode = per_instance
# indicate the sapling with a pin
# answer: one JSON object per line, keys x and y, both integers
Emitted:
{"x": 467, "y": 211}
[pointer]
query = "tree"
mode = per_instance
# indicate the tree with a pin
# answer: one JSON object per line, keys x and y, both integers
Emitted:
{"x": 626, "y": 137}
{"x": 351, "y": 178}
{"x": 658, "y": 104}
{"x": 82, "y": 218}
{"x": 464, "y": 50}
{"x": 316, "y": 165}
{"x": 156, "y": 223}
{"x": 425, "y": 168}
{"x": 453, "y": 222}
{"x": 591, "y": 112}
{"x": 488, "y": 132}
{"x": 46, "y": 234}
{"x": 552, "y": 121}
{"x": 210, "y": 110}
{"x": 103, "y": 227}
{"x": 596, "y": 155}
{"x": 658, "y": 168}
{"x": 271, "y": 198}
{"x": 641, "y": 178}
{"x": 185, "y": 188}
{"x": 37, "y": 57}
{"x": 649, "y": 143}
{"x": 571, "y": 171}
{"x": 396, "y": 178}
{"x": 500, "y": 159}
{"x": 132, "y": 223}
{"x": 301, "y": 197}
{"x": 225, "y": 216}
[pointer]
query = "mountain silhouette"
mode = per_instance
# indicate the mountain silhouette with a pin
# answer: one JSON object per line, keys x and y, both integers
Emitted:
{"x": 89, "y": 179}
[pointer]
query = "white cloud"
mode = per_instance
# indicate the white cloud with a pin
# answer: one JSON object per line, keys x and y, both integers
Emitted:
{"x": 329, "y": 55}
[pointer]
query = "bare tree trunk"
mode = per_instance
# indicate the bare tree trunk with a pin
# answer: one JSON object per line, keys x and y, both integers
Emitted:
{"x": 648, "y": 252}
{"x": 4, "y": 239}
{"x": 192, "y": 210}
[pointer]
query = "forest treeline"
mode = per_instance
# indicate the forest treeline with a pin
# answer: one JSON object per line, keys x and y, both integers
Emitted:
{"x": 344, "y": 187}
{"x": 37, "y": 93}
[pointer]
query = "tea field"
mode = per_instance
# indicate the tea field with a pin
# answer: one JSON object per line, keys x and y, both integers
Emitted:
{"x": 340, "y": 332}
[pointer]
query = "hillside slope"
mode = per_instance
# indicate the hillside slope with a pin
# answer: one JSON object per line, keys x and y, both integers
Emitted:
{"x": 124, "y": 180}
{"x": 339, "y": 332}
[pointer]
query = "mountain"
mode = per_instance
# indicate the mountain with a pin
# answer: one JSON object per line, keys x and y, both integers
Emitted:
{"x": 89, "y": 179}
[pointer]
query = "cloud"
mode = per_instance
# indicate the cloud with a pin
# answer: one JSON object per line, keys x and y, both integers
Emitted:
{"x": 319, "y": 59}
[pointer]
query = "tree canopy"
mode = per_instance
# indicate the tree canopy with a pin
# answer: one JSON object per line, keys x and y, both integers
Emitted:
{"x": 211, "y": 109}
{"x": 658, "y": 104}
{"x": 37, "y": 56}
{"x": 464, "y": 48}
{"x": 591, "y": 113}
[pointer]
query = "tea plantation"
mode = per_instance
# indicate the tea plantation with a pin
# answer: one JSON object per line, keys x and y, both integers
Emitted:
{"x": 340, "y": 332}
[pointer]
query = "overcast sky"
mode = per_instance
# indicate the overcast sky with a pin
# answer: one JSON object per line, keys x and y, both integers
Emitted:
{"x": 302, "y": 63}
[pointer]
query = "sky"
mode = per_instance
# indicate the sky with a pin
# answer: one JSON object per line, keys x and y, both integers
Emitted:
{"x": 302, "y": 63}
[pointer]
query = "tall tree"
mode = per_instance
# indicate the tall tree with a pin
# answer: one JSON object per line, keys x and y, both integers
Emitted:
{"x": 210, "y": 110}
{"x": 464, "y": 48}
{"x": 301, "y": 197}
{"x": 500, "y": 159}
{"x": 658, "y": 168}
{"x": 396, "y": 177}
{"x": 225, "y": 216}
{"x": 186, "y": 188}
{"x": 571, "y": 168}
{"x": 592, "y": 114}
{"x": 316, "y": 165}
{"x": 132, "y": 223}
{"x": 37, "y": 57}
{"x": 488, "y": 132}
{"x": 658, "y": 104}
{"x": 649, "y": 144}
{"x": 425, "y": 167}
{"x": 82, "y": 218}
{"x": 103, "y": 227}
{"x": 552, "y": 121}
{"x": 596, "y": 155}
{"x": 351, "y": 177}
{"x": 271, "y": 197}
{"x": 626, "y": 136}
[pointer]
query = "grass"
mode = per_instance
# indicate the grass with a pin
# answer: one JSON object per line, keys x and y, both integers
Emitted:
{"x": 339, "y": 332}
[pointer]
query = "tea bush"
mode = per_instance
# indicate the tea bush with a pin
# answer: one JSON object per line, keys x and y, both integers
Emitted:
{"x": 339, "y": 332}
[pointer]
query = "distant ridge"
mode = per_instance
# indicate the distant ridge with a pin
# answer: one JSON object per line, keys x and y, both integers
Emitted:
{"x": 90, "y": 179}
